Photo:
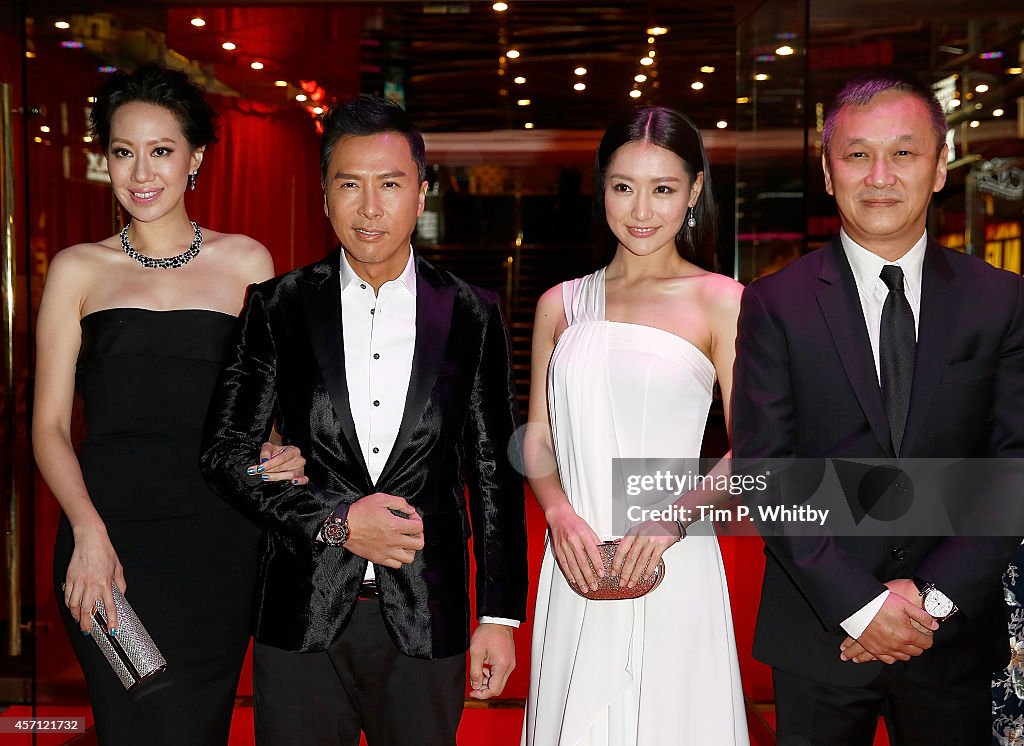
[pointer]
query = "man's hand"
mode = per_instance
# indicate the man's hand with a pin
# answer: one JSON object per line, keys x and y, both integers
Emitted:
{"x": 900, "y": 630}
{"x": 493, "y": 646}
{"x": 377, "y": 534}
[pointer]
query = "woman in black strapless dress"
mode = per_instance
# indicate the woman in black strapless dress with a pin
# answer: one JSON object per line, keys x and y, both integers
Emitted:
{"x": 140, "y": 328}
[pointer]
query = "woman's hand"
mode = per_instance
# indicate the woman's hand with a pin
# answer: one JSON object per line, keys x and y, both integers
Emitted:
{"x": 642, "y": 548}
{"x": 575, "y": 547}
{"x": 280, "y": 463}
{"x": 94, "y": 566}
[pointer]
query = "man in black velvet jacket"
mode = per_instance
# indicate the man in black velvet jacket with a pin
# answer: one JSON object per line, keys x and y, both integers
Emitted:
{"x": 884, "y": 345}
{"x": 393, "y": 377}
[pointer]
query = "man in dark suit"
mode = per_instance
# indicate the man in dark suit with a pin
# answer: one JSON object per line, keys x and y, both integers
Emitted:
{"x": 393, "y": 377}
{"x": 882, "y": 344}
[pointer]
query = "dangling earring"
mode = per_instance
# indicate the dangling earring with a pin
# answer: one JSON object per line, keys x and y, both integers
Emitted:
{"x": 691, "y": 221}
{"x": 192, "y": 180}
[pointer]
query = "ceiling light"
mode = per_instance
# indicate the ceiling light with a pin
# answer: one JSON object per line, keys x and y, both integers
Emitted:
{"x": 981, "y": 87}
{"x": 62, "y": 25}
{"x": 580, "y": 71}
{"x": 580, "y": 86}
{"x": 87, "y": 138}
{"x": 229, "y": 45}
{"x": 743, "y": 100}
{"x": 44, "y": 128}
{"x": 512, "y": 54}
{"x": 784, "y": 51}
{"x": 37, "y": 139}
{"x": 30, "y": 54}
{"x": 696, "y": 85}
{"x": 646, "y": 61}
{"x": 300, "y": 97}
{"x": 256, "y": 65}
{"x": 650, "y": 39}
{"x": 997, "y": 112}
{"x": 975, "y": 123}
{"x": 281, "y": 83}
{"x": 198, "y": 22}
{"x": 91, "y": 99}
{"x": 640, "y": 78}
{"x": 528, "y": 125}
{"x": 500, "y": 7}
{"x": 707, "y": 69}
{"x": 1014, "y": 70}
{"x": 657, "y": 30}
{"x": 519, "y": 80}
{"x": 651, "y": 53}
{"x": 953, "y": 103}
{"x": 523, "y": 102}
{"x": 722, "y": 124}
{"x": 635, "y": 93}
{"x": 760, "y": 76}
{"x": 318, "y": 110}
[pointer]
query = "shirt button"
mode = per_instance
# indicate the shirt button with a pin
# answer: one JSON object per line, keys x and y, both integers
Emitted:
{"x": 376, "y": 356}
{"x": 898, "y": 554}
{"x": 362, "y": 285}
{"x": 372, "y": 311}
{"x": 376, "y": 402}
{"x": 376, "y": 449}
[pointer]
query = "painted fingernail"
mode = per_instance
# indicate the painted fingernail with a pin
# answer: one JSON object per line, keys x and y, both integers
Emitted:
{"x": 251, "y": 470}
{"x": 113, "y": 631}
{"x": 261, "y": 469}
{"x": 295, "y": 481}
{"x": 85, "y": 633}
{"x": 264, "y": 460}
{"x": 265, "y": 477}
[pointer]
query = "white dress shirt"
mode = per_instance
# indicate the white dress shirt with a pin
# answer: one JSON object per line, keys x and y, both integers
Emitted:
{"x": 867, "y": 268}
{"x": 379, "y": 331}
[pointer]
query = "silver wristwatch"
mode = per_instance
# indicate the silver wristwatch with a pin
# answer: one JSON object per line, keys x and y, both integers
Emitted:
{"x": 936, "y": 603}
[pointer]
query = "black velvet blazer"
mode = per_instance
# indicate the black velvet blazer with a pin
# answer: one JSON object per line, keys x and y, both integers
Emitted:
{"x": 286, "y": 365}
{"x": 805, "y": 385}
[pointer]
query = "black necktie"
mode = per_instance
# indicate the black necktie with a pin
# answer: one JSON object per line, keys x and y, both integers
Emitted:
{"x": 896, "y": 345}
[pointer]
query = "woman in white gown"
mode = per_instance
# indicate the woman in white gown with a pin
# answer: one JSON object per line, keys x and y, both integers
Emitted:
{"x": 628, "y": 358}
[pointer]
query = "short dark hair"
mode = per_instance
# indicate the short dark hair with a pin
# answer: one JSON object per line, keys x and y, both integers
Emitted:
{"x": 669, "y": 129}
{"x": 862, "y": 89}
{"x": 155, "y": 83}
{"x": 364, "y": 116}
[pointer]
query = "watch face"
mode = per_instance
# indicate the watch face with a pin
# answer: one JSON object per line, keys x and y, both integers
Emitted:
{"x": 937, "y": 604}
{"x": 336, "y": 533}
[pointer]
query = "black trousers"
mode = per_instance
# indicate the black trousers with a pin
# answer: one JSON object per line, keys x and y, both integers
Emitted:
{"x": 361, "y": 683}
{"x": 810, "y": 713}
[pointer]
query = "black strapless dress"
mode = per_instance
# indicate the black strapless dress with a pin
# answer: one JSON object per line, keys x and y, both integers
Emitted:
{"x": 189, "y": 558}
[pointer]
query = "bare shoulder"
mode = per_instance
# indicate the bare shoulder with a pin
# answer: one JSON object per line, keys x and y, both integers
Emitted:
{"x": 247, "y": 255}
{"x": 81, "y": 263}
{"x": 550, "y": 317}
{"x": 719, "y": 293}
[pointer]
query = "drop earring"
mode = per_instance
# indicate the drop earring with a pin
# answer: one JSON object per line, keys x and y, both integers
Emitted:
{"x": 192, "y": 180}
{"x": 691, "y": 221}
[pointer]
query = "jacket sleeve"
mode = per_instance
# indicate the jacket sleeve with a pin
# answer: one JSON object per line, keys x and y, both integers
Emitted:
{"x": 497, "y": 508}
{"x": 241, "y": 414}
{"x": 765, "y": 427}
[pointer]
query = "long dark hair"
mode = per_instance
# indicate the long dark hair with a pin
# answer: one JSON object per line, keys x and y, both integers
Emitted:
{"x": 666, "y": 128}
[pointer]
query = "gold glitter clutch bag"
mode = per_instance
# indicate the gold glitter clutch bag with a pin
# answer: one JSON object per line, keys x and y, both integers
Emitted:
{"x": 608, "y": 588}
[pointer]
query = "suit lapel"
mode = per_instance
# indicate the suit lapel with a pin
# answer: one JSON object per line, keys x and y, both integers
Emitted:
{"x": 841, "y": 307}
{"x": 322, "y": 306}
{"x": 940, "y": 308}
{"x": 434, "y": 304}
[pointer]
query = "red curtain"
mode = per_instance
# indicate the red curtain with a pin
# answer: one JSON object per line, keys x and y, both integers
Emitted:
{"x": 263, "y": 179}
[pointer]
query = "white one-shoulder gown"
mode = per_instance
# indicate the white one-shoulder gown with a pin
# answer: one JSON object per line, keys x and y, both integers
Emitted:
{"x": 661, "y": 669}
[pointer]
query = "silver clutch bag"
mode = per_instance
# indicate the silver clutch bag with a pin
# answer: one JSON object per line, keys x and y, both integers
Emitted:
{"x": 132, "y": 653}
